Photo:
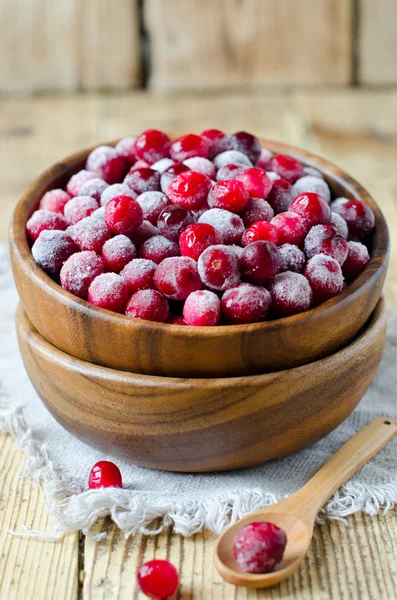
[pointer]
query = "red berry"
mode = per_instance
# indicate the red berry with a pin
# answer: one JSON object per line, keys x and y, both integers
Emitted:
{"x": 117, "y": 189}
{"x": 188, "y": 146}
{"x": 219, "y": 145}
{"x": 256, "y": 182}
{"x": 158, "y": 248}
{"x": 90, "y": 234}
{"x": 218, "y": 267}
{"x": 261, "y": 230}
{"x": 280, "y": 196}
{"x": 79, "y": 271}
{"x": 324, "y": 239}
{"x": 291, "y": 293}
{"x": 259, "y": 547}
{"x": 117, "y": 253}
{"x": 248, "y": 144}
{"x": 152, "y": 145}
{"x": 138, "y": 274}
{"x": 109, "y": 291}
{"x": 202, "y": 308}
{"x": 104, "y": 474}
{"x": 149, "y": 305}
{"x": 309, "y": 183}
{"x": 229, "y": 195}
{"x": 42, "y": 220}
{"x": 264, "y": 159}
{"x": 93, "y": 188}
{"x": 311, "y": 207}
{"x": 173, "y": 220}
{"x": 293, "y": 258}
{"x": 170, "y": 173}
{"x": 126, "y": 148}
{"x": 359, "y": 217}
{"x": 287, "y": 167}
{"x": 229, "y": 171}
{"x": 142, "y": 233}
{"x": 54, "y": 201}
{"x": 260, "y": 261}
{"x": 76, "y": 181}
{"x": 189, "y": 189}
{"x": 212, "y": 134}
{"x": 231, "y": 157}
{"x": 123, "y": 214}
{"x": 292, "y": 229}
{"x": 256, "y": 210}
{"x": 196, "y": 238}
{"x": 340, "y": 224}
{"x": 230, "y": 226}
{"x": 176, "y": 320}
{"x": 109, "y": 165}
{"x": 325, "y": 277}
{"x": 357, "y": 259}
{"x": 158, "y": 579}
{"x": 245, "y": 303}
{"x": 142, "y": 180}
{"x": 52, "y": 249}
{"x": 152, "y": 203}
{"x": 140, "y": 164}
{"x": 79, "y": 207}
{"x": 201, "y": 165}
{"x": 177, "y": 277}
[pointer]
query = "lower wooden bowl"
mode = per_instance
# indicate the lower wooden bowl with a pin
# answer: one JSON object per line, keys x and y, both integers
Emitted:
{"x": 198, "y": 425}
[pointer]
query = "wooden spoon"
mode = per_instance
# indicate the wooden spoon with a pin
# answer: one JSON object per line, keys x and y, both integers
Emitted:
{"x": 297, "y": 514}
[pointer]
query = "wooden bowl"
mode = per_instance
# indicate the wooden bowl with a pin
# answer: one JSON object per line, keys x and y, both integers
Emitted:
{"x": 106, "y": 338}
{"x": 195, "y": 425}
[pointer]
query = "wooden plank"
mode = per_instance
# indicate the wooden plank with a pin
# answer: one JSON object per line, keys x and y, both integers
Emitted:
{"x": 68, "y": 45}
{"x": 31, "y": 568}
{"x": 238, "y": 43}
{"x": 377, "y": 42}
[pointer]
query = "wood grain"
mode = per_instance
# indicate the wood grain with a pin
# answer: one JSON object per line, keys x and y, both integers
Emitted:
{"x": 377, "y": 42}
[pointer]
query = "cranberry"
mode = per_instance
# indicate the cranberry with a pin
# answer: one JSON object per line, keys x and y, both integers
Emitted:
{"x": 202, "y": 308}
{"x": 89, "y": 234}
{"x": 189, "y": 189}
{"x": 218, "y": 267}
{"x": 359, "y": 218}
{"x": 292, "y": 257}
{"x": 340, "y": 224}
{"x": 357, "y": 259}
{"x": 52, "y": 249}
{"x": 229, "y": 171}
{"x": 292, "y": 229}
{"x": 149, "y": 305}
{"x": 117, "y": 189}
{"x": 109, "y": 165}
{"x": 256, "y": 182}
{"x": 123, "y": 214}
{"x": 313, "y": 172}
{"x": 308, "y": 183}
{"x": 54, "y": 201}
{"x": 158, "y": 579}
{"x": 291, "y": 293}
{"x": 143, "y": 180}
{"x": 173, "y": 220}
{"x": 140, "y": 164}
{"x": 93, "y": 188}
{"x": 138, "y": 274}
{"x": 79, "y": 271}
{"x": 230, "y": 226}
{"x": 212, "y": 134}
{"x": 117, "y": 253}
{"x": 264, "y": 158}
{"x": 280, "y": 196}
{"x": 158, "y": 248}
{"x": 109, "y": 291}
{"x": 176, "y": 320}
{"x": 260, "y": 261}
{"x": 324, "y": 239}
{"x": 188, "y": 146}
{"x": 42, "y": 220}
{"x": 255, "y": 210}
{"x": 248, "y": 144}
{"x": 169, "y": 175}
{"x": 201, "y": 165}
{"x": 79, "y": 207}
{"x": 104, "y": 474}
{"x": 221, "y": 144}
{"x": 311, "y": 207}
{"x": 177, "y": 277}
{"x": 162, "y": 165}
{"x": 259, "y": 547}
{"x": 142, "y": 233}
{"x": 77, "y": 180}
{"x": 230, "y": 195}
{"x": 152, "y": 145}
{"x": 325, "y": 277}
{"x": 261, "y": 230}
{"x": 231, "y": 157}
{"x": 152, "y": 203}
{"x": 126, "y": 148}
{"x": 99, "y": 213}
{"x": 196, "y": 238}
{"x": 245, "y": 303}
{"x": 287, "y": 167}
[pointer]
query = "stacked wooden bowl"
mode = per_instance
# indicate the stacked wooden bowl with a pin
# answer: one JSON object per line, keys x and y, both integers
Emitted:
{"x": 198, "y": 399}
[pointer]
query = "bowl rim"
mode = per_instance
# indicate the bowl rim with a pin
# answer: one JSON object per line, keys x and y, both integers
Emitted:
{"x": 69, "y": 165}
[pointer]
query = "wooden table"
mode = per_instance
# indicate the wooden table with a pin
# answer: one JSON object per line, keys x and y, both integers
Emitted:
{"x": 355, "y": 129}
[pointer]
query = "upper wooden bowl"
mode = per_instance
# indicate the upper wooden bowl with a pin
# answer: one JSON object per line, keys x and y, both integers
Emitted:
{"x": 202, "y": 424}
{"x": 106, "y": 338}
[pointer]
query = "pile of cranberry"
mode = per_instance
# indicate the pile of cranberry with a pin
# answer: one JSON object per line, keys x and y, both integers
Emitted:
{"x": 208, "y": 229}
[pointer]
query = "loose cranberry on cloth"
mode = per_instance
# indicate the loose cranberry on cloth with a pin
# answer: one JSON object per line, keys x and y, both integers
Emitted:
{"x": 104, "y": 474}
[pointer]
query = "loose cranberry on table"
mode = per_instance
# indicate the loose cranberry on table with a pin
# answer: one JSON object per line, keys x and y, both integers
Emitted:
{"x": 189, "y": 189}
{"x": 109, "y": 291}
{"x": 173, "y": 220}
{"x": 201, "y": 165}
{"x": 76, "y": 181}
{"x": 292, "y": 229}
{"x": 202, "y": 308}
{"x": 255, "y": 210}
{"x": 52, "y": 249}
{"x": 138, "y": 274}
{"x": 170, "y": 173}
{"x": 229, "y": 171}
{"x": 230, "y": 226}
{"x": 158, "y": 579}
{"x": 356, "y": 260}
{"x": 359, "y": 217}
{"x": 291, "y": 293}
{"x": 286, "y": 166}
{"x": 261, "y": 230}
{"x": 324, "y": 239}
{"x": 117, "y": 189}
{"x": 104, "y": 474}
{"x": 196, "y": 238}
{"x": 280, "y": 196}
{"x": 308, "y": 183}
{"x": 149, "y": 305}
{"x": 245, "y": 303}
{"x": 123, "y": 214}
{"x": 259, "y": 262}
{"x": 256, "y": 182}
{"x": 231, "y": 157}
{"x": 90, "y": 234}
{"x": 188, "y": 146}
{"x": 117, "y": 253}
{"x": 177, "y": 277}
{"x": 218, "y": 267}
{"x": 229, "y": 195}
{"x": 54, "y": 200}
{"x": 152, "y": 145}
{"x": 126, "y": 148}
{"x": 311, "y": 207}
{"x": 79, "y": 207}
{"x": 152, "y": 203}
{"x": 42, "y": 220}
{"x": 325, "y": 277}
{"x": 143, "y": 179}
{"x": 107, "y": 163}
{"x": 79, "y": 271}
{"x": 292, "y": 257}
{"x": 158, "y": 248}
{"x": 259, "y": 547}
{"x": 93, "y": 188}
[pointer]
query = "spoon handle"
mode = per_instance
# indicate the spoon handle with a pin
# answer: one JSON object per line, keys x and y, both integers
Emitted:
{"x": 346, "y": 461}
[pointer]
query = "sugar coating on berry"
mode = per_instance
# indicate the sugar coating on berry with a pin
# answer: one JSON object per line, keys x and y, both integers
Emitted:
{"x": 138, "y": 274}
{"x": 162, "y": 164}
{"x": 259, "y": 547}
{"x": 228, "y": 195}
{"x": 325, "y": 277}
{"x": 169, "y": 175}
{"x": 359, "y": 217}
{"x": 89, "y": 234}
{"x": 99, "y": 213}
{"x": 54, "y": 200}
{"x": 273, "y": 175}
{"x": 173, "y": 220}
{"x": 280, "y": 196}
{"x": 324, "y": 239}
{"x": 117, "y": 189}
{"x": 126, "y": 148}
{"x": 218, "y": 267}
{"x": 188, "y": 146}
{"x": 313, "y": 172}
{"x": 287, "y": 167}
{"x": 117, "y": 253}
{"x": 107, "y": 163}
{"x": 292, "y": 229}
{"x": 259, "y": 262}
{"x": 152, "y": 145}
{"x": 292, "y": 257}
{"x": 264, "y": 158}
{"x": 312, "y": 207}
{"x": 93, "y": 188}
{"x": 123, "y": 215}
{"x": 308, "y": 183}
{"x": 196, "y": 238}
{"x": 79, "y": 207}
{"x": 152, "y": 203}
{"x": 79, "y": 271}
{"x": 177, "y": 277}
{"x": 142, "y": 180}
{"x": 230, "y": 226}
{"x": 148, "y": 304}
{"x": 340, "y": 224}
{"x": 52, "y": 249}
{"x": 248, "y": 144}
{"x": 78, "y": 179}
{"x": 42, "y": 220}
{"x": 229, "y": 171}
{"x": 255, "y": 210}
{"x": 201, "y": 165}
{"x": 158, "y": 248}
{"x": 109, "y": 291}
{"x": 256, "y": 182}
{"x": 291, "y": 293}
{"x": 104, "y": 474}
{"x": 189, "y": 189}
{"x": 158, "y": 579}
{"x": 231, "y": 157}
{"x": 356, "y": 260}
{"x": 202, "y": 309}
{"x": 245, "y": 303}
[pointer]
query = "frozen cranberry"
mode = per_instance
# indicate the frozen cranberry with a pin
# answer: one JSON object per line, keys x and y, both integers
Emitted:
{"x": 325, "y": 277}
{"x": 143, "y": 180}
{"x": 359, "y": 218}
{"x": 77, "y": 180}
{"x": 109, "y": 165}
{"x": 152, "y": 145}
{"x": 256, "y": 182}
{"x": 292, "y": 229}
{"x": 202, "y": 308}
{"x": 54, "y": 201}
{"x": 308, "y": 183}
{"x": 264, "y": 158}
{"x": 340, "y": 224}
{"x": 221, "y": 144}
{"x": 248, "y": 144}
{"x": 273, "y": 175}
{"x": 229, "y": 171}
{"x": 138, "y": 274}
{"x": 162, "y": 165}
{"x": 123, "y": 214}
{"x": 109, "y": 291}
{"x": 158, "y": 248}
{"x": 255, "y": 210}
{"x": 188, "y": 146}
{"x": 140, "y": 164}
{"x": 324, "y": 239}
{"x": 126, "y": 148}
{"x": 291, "y": 293}
{"x": 196, "y": 238}
{"x": 173, "y": 220}
{"x": 177, "y": 277}
{"x": 245, "y": 303}
{"x": 311, "y": 207}
{"x": 117, "y": 252}
{"x": 176, "y": 320}
{"x": 99, "y": 213}
{"x": 280, "y": 196}
{"x": 218, "y": 267}
{"x": 93, "y": 188}
{"x": 229, "y": 195}
{"x": 117, "y": 189}
{"x": 313, "y": 172}
{"x": 189, "y": 189}
{"x": 170, "y": 173}
{"x": 293, "y": 259}
{"x": 230, "y": 226}
{"x": 259, "y": 547}
{"x": 42, "y": 220}
{"x": 90, "y": 234}
{"x": 158, "y": 579}
{"x": 79, "y": 207}
{"x": 231, "y": 157}
{"x": 152, "y": 203}
{"x": 212, "y": 134}
{"x": 287, "y": 167}
{"x": 104, "y": 474}
{"x": 260, "y": 261}
{"x": 357, "y": 258}
{"x": 79, "y": 271}
{"x": 52, "y": 249}
{"x": 261, "y": 230}
{"x": 201, "y": 165}
{"x": 142, "y": 233}
{"x": 148, "y": 304}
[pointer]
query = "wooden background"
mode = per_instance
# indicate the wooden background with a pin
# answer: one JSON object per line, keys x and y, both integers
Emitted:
{"x": 169, "y": 45}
